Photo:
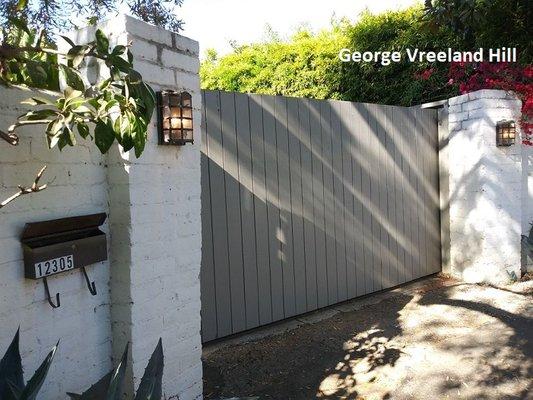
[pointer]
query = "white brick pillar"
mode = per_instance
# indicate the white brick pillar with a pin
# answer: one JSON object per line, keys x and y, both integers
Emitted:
{"x": 155, "y": 222}
{"x": 487, "y": 191}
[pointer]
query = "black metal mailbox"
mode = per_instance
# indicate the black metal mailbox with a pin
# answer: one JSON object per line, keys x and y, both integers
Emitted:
{"x": 61, "y": 245}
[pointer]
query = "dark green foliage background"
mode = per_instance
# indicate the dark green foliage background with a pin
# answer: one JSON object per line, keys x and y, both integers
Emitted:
{"x": 307, "y": 64}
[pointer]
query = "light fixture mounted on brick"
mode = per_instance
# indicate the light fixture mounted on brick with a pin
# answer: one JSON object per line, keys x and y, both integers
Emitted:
{"x": 174, "y": 118}
{"x": 505, "y": 133}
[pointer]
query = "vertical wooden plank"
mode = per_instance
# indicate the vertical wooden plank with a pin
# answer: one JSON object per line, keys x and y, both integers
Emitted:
{"x": 308, "y": 183}
{"x": 416, "y": 201}
{"x": 412, "y": 195}
{"x": 366, "y": 170}
{"x": 356, "y": 125}
{"x": 285, "y": 234}
{"x": 339, "y": 203}
{"x": 390, "y": 215}
{"x": 260, "y": 209}
{"x": 298, "y": 240}
{"x": 375, "y": 191}
{"x": 399, "y": 198}
{"x": 392, "y": 198}
{"x": 329, "y": 201}
{"x": 218, "y": 212}
{"x": 382, "y": 189}
{"x": 432, "y": 171}
{"x": 424, "y": 150}
{"x": 233, "y": 211}
{"x": 207, "y": 275}
{"x": 348, "y": 192}
{"x": 403, "y": 120}
{"x": 318, "y": 203}
{"x": 431, "y": 199}
{"x": 274, "y": 228}
{"x": 247, "y": 210}
{"x": 434, "y": 162}
{"x": 421, "y": 190}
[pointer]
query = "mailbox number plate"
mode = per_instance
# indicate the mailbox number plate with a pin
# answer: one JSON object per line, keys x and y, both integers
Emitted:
{"x": 54, "y": 266}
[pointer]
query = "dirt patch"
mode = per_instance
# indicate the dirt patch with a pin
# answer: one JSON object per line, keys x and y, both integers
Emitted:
{"x": 443, "y": 339}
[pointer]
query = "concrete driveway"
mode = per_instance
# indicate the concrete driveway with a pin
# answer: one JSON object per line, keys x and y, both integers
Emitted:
{"x": 433, "y": 339}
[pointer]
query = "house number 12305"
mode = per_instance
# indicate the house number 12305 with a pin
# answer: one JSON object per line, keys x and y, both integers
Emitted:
{"x": 54, "y": 266}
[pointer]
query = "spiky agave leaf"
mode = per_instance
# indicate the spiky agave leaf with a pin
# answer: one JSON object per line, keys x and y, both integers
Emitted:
{"x": 11, "y": 369}
{"x": 108, "y": 387}
{"x": 114, "y": 391}
{"x": 151, "y": 382}
{"x": 96, "y": 391}
{"x": 36, "y": 382}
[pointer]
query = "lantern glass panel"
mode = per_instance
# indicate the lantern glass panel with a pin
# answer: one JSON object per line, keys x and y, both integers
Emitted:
{"x": 186, "y": 123}
{"x": 186, "y": 100}
{"x": 186, "y": 113}
{"x": 505, "y": 133}
{"x": 174, "y": 100}
{"x": 175, "y": 112}
{"x": 187, "y": 134}
{"x": 176, "y": 118}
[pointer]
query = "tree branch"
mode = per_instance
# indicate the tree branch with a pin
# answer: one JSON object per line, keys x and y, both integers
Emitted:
{"x": 24, "y": 190}
{"x": 11, "y": 138}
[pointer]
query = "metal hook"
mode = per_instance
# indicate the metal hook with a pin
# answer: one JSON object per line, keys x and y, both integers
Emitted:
{"x": 49, "y": 298}
{"x": 90, "y": 285}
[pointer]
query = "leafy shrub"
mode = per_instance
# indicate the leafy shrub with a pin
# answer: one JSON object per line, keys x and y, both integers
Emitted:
{"x": 118, "y": 108}
{"x": 308, "y": 65}
{"x": 305, "y": 66}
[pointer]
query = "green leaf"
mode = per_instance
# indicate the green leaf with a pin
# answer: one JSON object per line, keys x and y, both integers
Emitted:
{"x": 102, "y": 42}
{"x": 40, "y": 114}
{"x": 104, "y": 136}
{"x": 139, "y": 140}
{"x": 119, "y": 63}
{"x": 34, "y": 101}
{"x": 37, "y": 72}
{"x": 68, "y": 40}
{"x": 118, "y": 50}
{"x": 114, "y": 392}
{"x": 150, "y": 386}
{"x": 11, "y": 368}
{"x": 13, "y": 392}
{"x": 20, "y": 24}
{"x": 72, "y": 77}
{"x": 83, "y": 129}
{"x": 37, "y": 380}
{"x": 146, "y": 93}
{"x": 22, "y": 4}
{"x": 62, "y": 141}
{"x": 134, "y": 76}
{"x": 69, "y": 136}
{"x": 71, "y": 94}
{"x": 76, "y": 55}
{"x": 96, "y": 391}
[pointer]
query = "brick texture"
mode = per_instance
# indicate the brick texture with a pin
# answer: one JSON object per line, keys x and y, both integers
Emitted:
{"x": 488, "y": 210}
{"x": 149, "y": 288}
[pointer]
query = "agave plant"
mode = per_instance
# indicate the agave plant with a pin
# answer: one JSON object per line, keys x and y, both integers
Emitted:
{"x": 527, "y": 243}
{"x": 12, "y": 385}
{"x": 110, "y": 386}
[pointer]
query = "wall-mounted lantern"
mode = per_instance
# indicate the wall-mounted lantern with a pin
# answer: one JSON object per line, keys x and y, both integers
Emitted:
{"x": 174, "y": 118}
{"x": 505, "y": 133}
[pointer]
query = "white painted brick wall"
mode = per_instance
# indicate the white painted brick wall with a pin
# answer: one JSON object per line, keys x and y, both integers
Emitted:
{"x": 150, "y": 286}
{"x": 487, "y": 205}
{"x": 77, "y": 186}
{"x": 156, "y": 227}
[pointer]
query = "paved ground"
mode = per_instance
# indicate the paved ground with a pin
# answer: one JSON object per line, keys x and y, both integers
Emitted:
{"x": 435, "y": 339}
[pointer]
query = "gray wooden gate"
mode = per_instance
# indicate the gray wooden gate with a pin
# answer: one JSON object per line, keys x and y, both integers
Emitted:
{"x": 307, "y": 203}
